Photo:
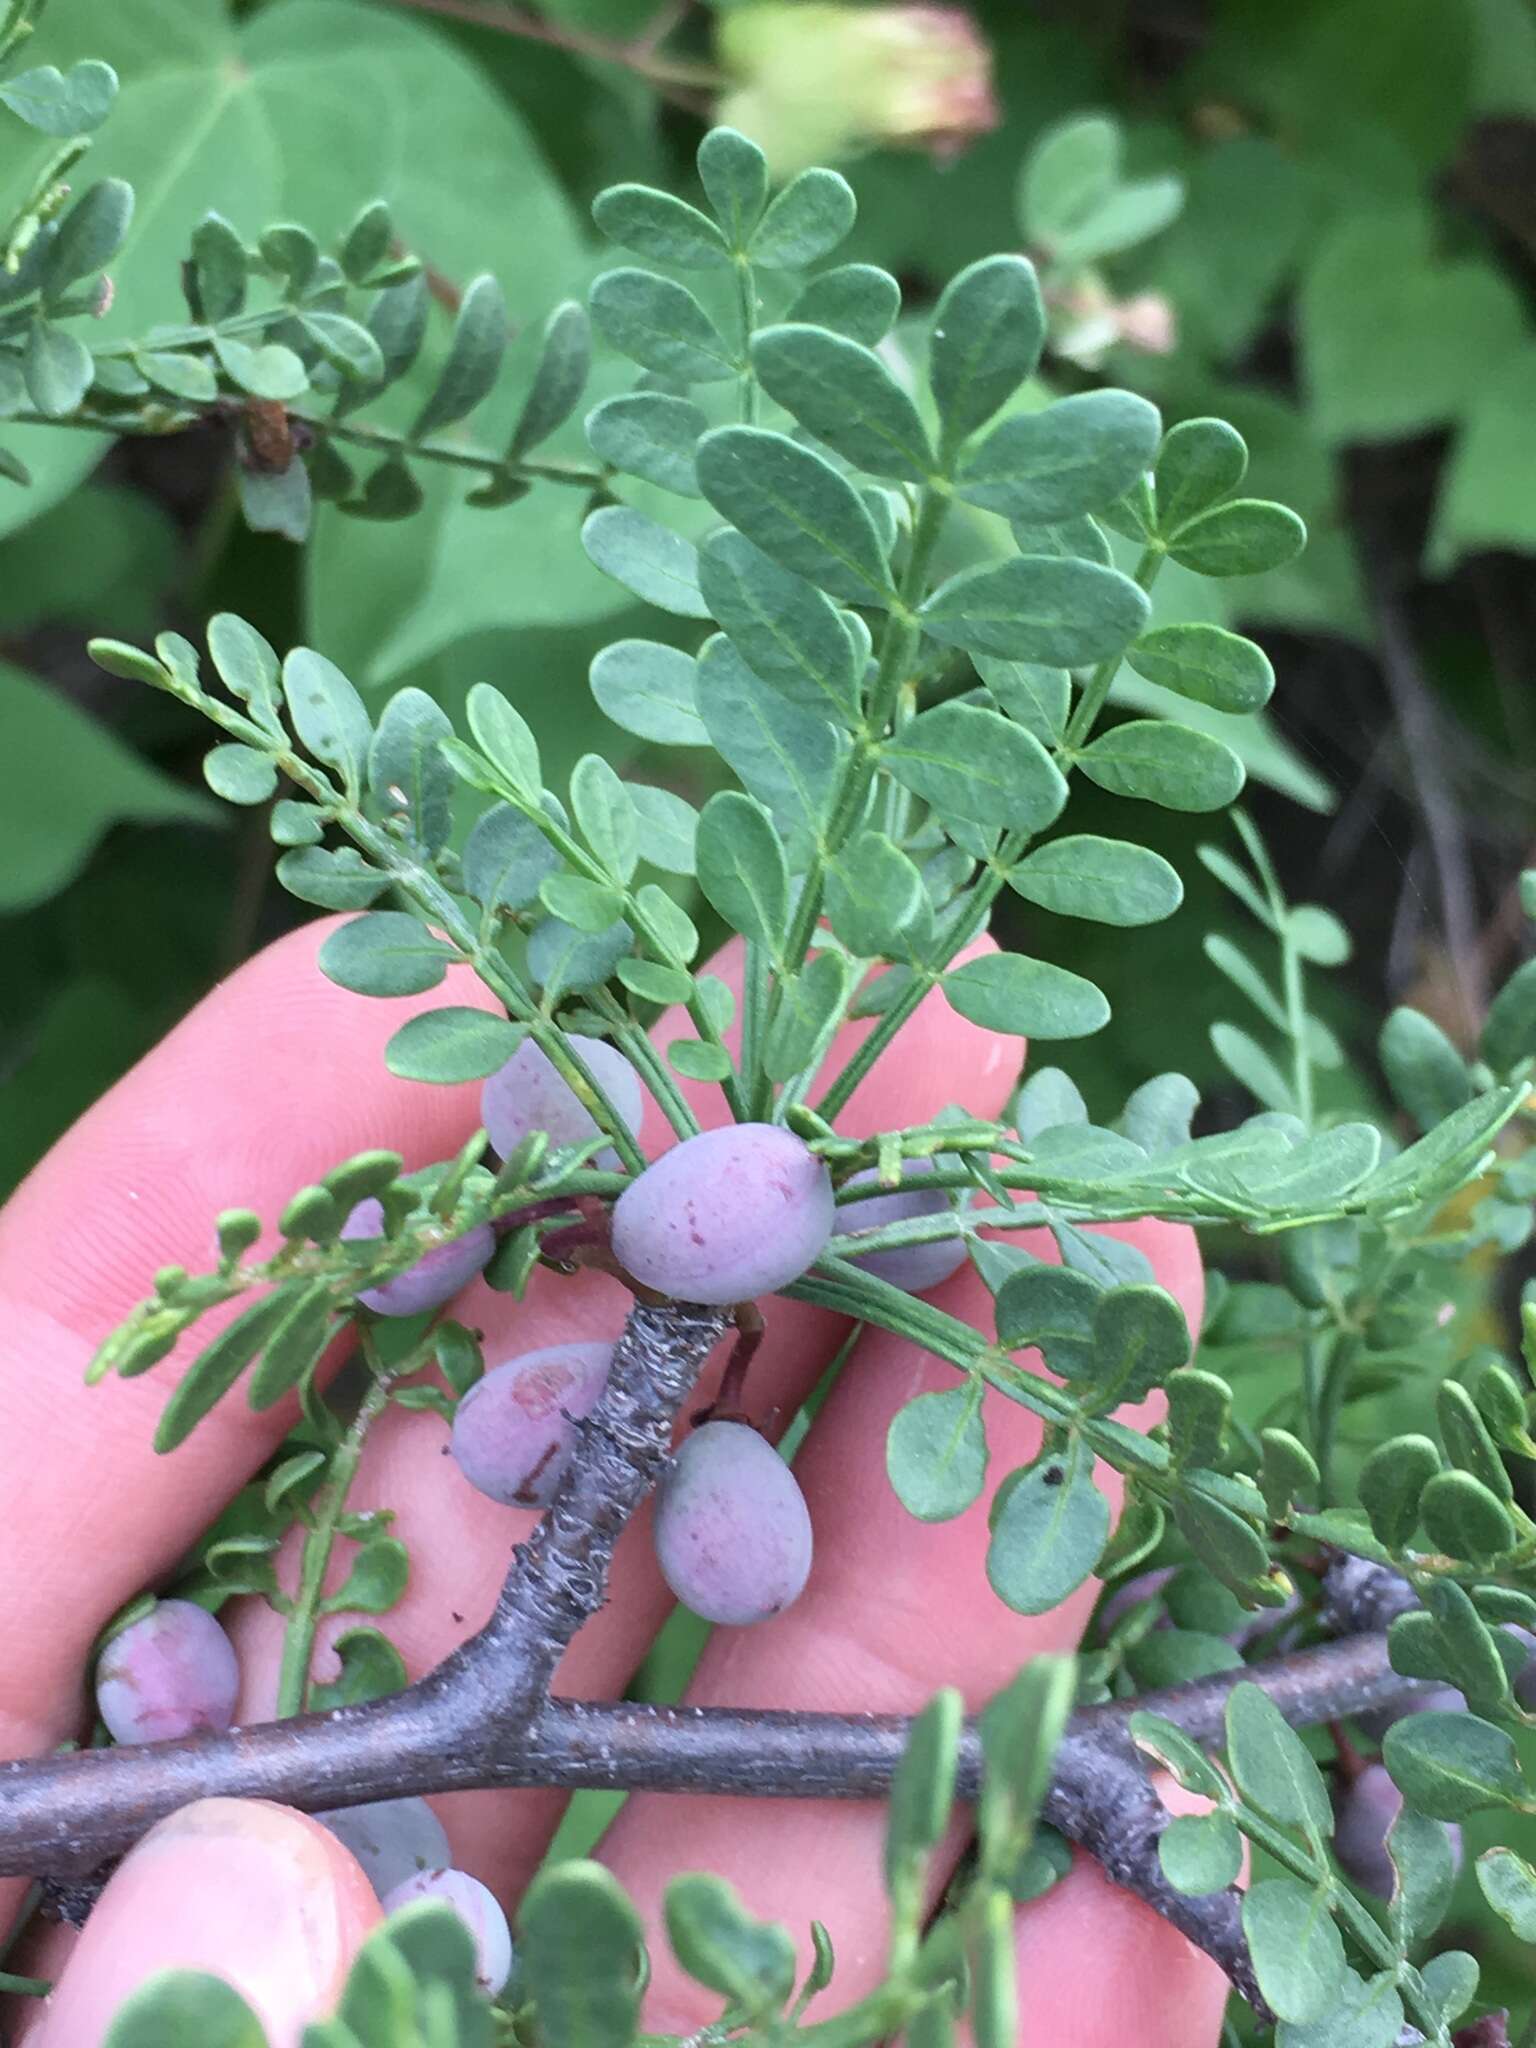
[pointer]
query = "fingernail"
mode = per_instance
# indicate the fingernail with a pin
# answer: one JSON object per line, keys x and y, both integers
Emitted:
{"x": 252, "y": 1892}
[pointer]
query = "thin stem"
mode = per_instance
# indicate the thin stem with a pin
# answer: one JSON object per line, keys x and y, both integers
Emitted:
{"x": 640, "y": 1050}
{"x": 898, "y": 643}
{"x": 1096, "y": 690}
{"x": 637, "y": 55}
{"x": 294, "y": 1674}
{"x": 1291, "y": 972}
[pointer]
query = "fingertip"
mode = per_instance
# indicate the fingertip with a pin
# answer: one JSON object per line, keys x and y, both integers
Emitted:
{"x": 252, "y": 1892}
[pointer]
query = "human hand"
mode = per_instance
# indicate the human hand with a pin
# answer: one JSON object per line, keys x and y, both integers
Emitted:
{"x": 275, "y": 1077}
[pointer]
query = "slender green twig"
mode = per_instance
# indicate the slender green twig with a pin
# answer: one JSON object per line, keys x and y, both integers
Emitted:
{"x": 295, "y": 1672}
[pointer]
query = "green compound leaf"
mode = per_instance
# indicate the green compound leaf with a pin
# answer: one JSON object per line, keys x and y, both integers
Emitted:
{"x": 797, "y": 508}
{"x": 648, "y": 689}
{"x": 922, "y": 1791}
{"x": 1139, "y": 1338}
{"x": 1207, "y": 664}
{"x": 177, "y": 2008}
{"x": 335, "y": 880}
{"x": 1052, "y": 1308}
{"x": 844, "y": 394}
{"x": 1032, "y": 998}
{"x": 1040, "y": 608}
{"x": 294, "y": 1347}
{"x": 784, "y": 628}
{"x": 1076, "y": 456}
{"x": 719, "y": 1943}
{"x": 1462, "y": 1518}
{"x": 1450, "y": 1765}
{"x": 62, "y": 103}
{"x": 1199, "y": 462}
{"x": 506, "y": 859}
{"x": 581, "y": 1947}
{"x": 328, "y": 715}
{"x": 58, "y": 368}
{"x": 1201, "y": 1852}
{"x": 660, "y": 228}
{"x": 214, "y": 1371}
{"x": 936, "y": 1454}
{"x": 647, "y": 558}
{"x": 474, "y": 358}
{"x": 855, "y": 299}
{"x": 1509, "y": 1034}
{"x": 450, "y": 1045}
{"x": 271, "y": 371}
{"x": 371, "y": 1669}
{"x": 409, "y": 778}
{"x": 734, "y": 174}
{"x": 1426, "y": 1073}
{"x": 239, "y": 774}
{"x": 1298, "y": 1954}
{"x": 649, "y": 435}
{"x": 1157, "y": 762}
{"x": 1508, "y": 1883}
{"x": 988, "y": 330}
{"x": 386, "y": 953}
{"x": 1034, "y": 696}
{"x": 1242, "y": 538}
{"x": 805, "y": 222}
{"x": 668, "y": 828}
{"x": 1111, "y": 881}
{"x": 1049, "y": 1532}
{"x": 89, "y": 236}
{"x": 976, "y": 767}
{"x": 1425, "y": 1867}
{"x": 564, "y": 361}
{"x": 786, "y": 758}
{"x": 1391, "y": 1485}
{"x": 376, "y": 1580}
{"x": 661, "y": 326}
{"x": 742, "y": 868}
{"x": 1272, "y": 1766}
{"x": 876, "y": 901}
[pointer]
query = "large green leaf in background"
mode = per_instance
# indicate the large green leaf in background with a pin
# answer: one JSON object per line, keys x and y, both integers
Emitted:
{"x": 78, "y": 781}
{"x": 306, "y": 112}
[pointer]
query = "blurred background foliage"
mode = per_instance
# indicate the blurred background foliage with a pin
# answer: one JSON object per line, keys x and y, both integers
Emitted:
{"x": 1317, "y": 220}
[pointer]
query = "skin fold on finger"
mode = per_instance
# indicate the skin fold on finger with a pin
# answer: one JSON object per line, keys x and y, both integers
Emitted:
{"x": 454, "y": 1582}
{"x": 893, "y": 1609}
{"x": 254, "y": 1893}
{"x": 275, "y": 1077}
{"x": 1099, "y": 1968}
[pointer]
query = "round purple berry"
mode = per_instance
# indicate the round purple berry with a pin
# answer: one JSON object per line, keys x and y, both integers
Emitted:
{"x": 914, "y": 1267}
{"x": 393, "y": 1839}
{"x": 171, "y": 1672}
{"x": 527, "y": 1094}
{"x": 433, "y": 1279}
{"x": 726, "y": 1216}
{"x": 732, "y": 1531}
{"x": 514, "y": 1430}
{"x": 476, "y": 1907}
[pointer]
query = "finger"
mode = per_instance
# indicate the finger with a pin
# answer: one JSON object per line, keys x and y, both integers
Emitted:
{"x": 894, "y": 1608}
{"x": 453, "y": 1586}
{"x": 1088, "y": 1951}
{"x": 253, "y": 1893}
{"x": 274, "y": 1078}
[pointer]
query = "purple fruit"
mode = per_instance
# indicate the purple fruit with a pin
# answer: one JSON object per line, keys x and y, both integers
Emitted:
{"x": 433, "y": 1279}
{"x": 725, "y": 1216}
{"x": 170, "y": 1673}
{"x": 528, "y": 1095}
{"x": 1363, "y": 1814}
{"x": 917, "y": 1267}
{"x": 476, "y": 1907}
{"x": 393, "y": 1839}
{"x": 732, "y": 1531}
{"x": 513, "y": 1431}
